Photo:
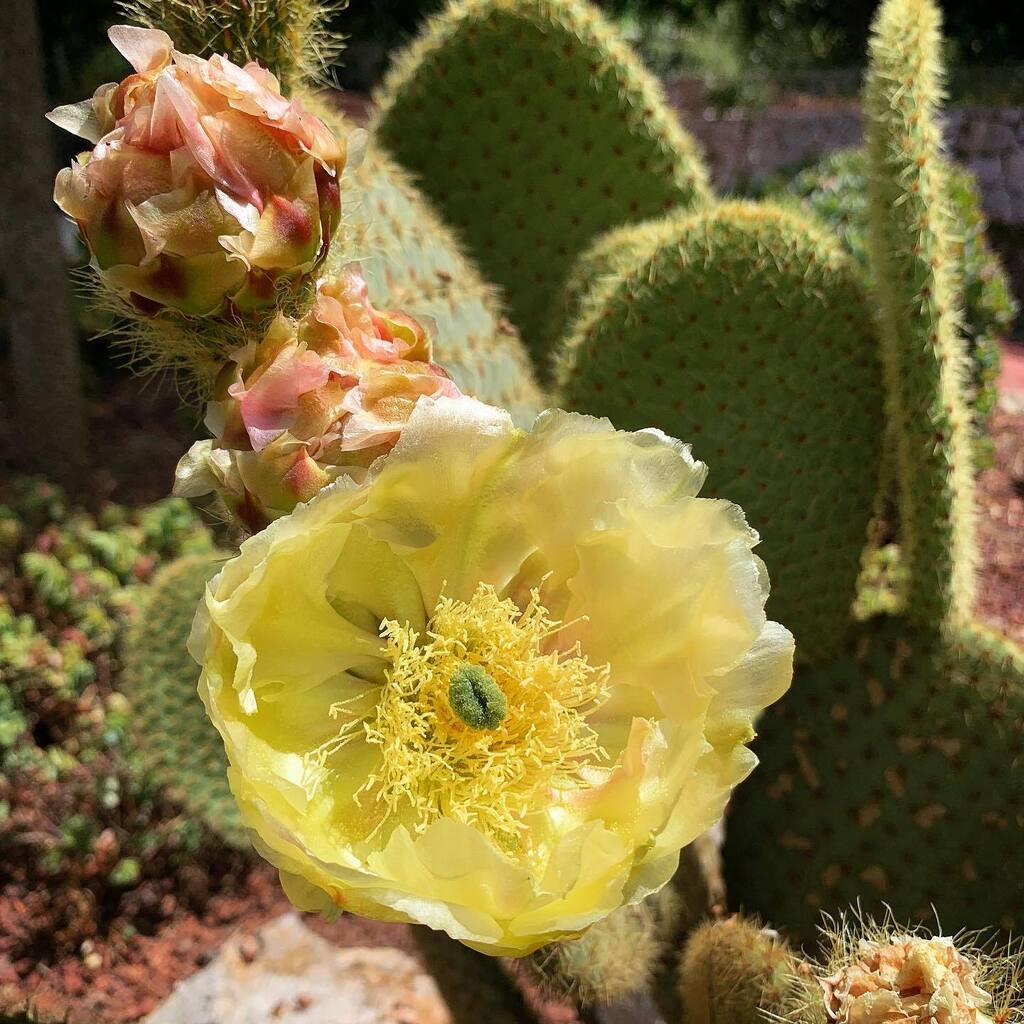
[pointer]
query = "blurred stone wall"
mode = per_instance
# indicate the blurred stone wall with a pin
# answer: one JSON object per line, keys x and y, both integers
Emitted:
{"x": 745, "y": 148}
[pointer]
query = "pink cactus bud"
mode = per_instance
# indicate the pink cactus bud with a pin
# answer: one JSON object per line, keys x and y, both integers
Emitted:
{"x": 315, "y": 400}
{"x": 205, "y": 187}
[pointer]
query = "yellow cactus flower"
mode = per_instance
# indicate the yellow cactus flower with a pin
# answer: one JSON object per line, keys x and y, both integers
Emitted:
{"x": 497, "y": 684}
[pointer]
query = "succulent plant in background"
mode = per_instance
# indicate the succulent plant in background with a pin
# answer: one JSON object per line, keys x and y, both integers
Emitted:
{"x": 315, "y": 400}
{"x": 206, "y": 190}
{"x": 169, "y": 726}
{"x": 84, "y": 824}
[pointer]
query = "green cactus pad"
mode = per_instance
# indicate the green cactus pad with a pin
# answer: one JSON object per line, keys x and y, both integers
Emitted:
{"x": 176, "y": 740}
{"x": 534, "y": 129}
{"x": 412, "y": 262}
{"x": 743, "y": 330}
{"x": 889, "y": 777}
{"x": 913, "y": 262}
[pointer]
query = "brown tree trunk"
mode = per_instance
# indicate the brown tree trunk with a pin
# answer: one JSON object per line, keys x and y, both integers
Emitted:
{"x": 49, "y": 435}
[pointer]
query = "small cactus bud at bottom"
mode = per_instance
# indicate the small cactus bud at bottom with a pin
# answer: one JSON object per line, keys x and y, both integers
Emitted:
{"x": 736, "y": 971}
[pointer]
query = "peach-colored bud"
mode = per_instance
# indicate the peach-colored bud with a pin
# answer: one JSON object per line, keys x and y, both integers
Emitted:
{"x": 908, "y": 980}
{"x": 313, "y": 401}
{"x": 205, "y": 187}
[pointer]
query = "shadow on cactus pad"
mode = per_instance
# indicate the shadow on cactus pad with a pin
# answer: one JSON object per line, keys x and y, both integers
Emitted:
{"x": 889, "y": 779}
{"x": 174, "y": 737}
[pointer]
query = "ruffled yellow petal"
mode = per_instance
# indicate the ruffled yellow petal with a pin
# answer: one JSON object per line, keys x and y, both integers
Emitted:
{"x": 573, "y": 564}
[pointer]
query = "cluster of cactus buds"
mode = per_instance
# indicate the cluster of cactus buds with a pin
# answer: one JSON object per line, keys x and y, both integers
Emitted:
{"x": 314, "y": 400}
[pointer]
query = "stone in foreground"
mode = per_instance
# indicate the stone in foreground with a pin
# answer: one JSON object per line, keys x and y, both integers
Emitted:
{"x": 286, "y": 974}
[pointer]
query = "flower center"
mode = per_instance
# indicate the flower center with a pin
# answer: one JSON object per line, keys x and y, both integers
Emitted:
{"x": 480, "y": 719}
{"x": 476, "y": 698}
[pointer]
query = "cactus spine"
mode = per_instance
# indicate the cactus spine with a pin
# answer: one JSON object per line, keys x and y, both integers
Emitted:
{"x": 544, "y": 131}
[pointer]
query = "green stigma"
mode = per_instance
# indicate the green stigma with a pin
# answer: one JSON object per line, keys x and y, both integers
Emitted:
{"x": 476, "y": 698}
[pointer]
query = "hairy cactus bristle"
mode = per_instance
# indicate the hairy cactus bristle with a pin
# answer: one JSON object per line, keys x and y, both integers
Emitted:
{"x": 911, "y": 238}
{"x": 291, "y": 38}
{"x": 176, "y": 740}
{"x": 744, "y": 329}
{"x": 544, "y": 131}
{"x": 735, "y": 970}
{"x": 614, "y": 957}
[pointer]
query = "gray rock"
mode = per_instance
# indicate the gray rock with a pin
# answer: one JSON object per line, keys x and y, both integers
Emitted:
{"x": 286, "y": 974}
{"x": 989, "y": 171}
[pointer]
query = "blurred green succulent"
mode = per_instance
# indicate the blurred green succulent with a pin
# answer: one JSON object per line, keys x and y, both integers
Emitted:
{"x": 70, "y": 582}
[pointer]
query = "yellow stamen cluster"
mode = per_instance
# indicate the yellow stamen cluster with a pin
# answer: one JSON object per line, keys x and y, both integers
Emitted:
{"x": 434, "y": 763}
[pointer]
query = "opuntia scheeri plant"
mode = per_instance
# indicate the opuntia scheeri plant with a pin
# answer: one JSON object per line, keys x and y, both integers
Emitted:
{"x": 888, "y": 771}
